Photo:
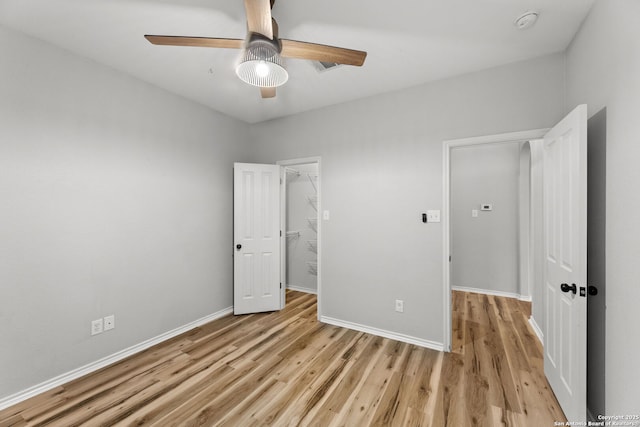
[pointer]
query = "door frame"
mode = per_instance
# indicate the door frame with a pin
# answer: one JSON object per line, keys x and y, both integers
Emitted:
{"x": 449, "y": 145}
{"x": 283, "y": 201}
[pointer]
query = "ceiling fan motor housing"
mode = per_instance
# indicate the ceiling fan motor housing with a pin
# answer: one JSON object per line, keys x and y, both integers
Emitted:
{"x": 263, "y": 47}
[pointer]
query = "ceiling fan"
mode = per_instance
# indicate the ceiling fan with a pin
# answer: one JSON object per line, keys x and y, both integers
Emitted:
{"x": 261, "y": 64}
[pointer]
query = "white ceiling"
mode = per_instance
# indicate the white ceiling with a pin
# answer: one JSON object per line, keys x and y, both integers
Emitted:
{"x": 409, "y": 42}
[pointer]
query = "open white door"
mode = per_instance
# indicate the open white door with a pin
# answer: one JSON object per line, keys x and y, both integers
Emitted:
{"x": 256, "y": 231}
{"x": 565, "y": 249}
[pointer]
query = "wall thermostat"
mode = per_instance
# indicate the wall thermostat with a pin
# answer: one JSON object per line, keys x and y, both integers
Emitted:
{"x": 486, "y": 207}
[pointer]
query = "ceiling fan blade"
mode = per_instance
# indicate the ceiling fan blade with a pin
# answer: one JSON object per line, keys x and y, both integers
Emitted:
{"x": 196, "y": 41}
{"x": 321, "y": 52}
{"x": 268, "y": 92}
{"x": 259, "y": 17}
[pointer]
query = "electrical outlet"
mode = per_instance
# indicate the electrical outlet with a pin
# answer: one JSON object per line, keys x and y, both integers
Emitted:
{"x": 399, "y": 306}
{"x": 109, "y": 322}
{"x": 96, "y": 327}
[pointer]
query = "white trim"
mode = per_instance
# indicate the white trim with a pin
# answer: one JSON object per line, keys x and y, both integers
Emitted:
{"x": 492, "y": 292}
{"x": 303, "y": 161}
{"x": 499, "y": 138}
{"x": 106, "y": 361}
{"x": 383, "y": 333}
{"x": 448, "y": 145}
{"x": 536, "y": 329}
{"x": 301, "y": 289}
{"x": 283, "y": 236}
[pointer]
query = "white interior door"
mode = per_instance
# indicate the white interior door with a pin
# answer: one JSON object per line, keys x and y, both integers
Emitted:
{"x": 256, "y": 230}
{"x": 565, "y": 250}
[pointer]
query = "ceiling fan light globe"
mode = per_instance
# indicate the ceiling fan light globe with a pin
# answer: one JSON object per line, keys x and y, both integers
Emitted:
{"x": 262, "y": 69}
{"x": 261, "y": 72}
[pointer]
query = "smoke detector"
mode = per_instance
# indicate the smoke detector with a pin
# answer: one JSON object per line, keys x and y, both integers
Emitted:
{"x": 526, "y": 20}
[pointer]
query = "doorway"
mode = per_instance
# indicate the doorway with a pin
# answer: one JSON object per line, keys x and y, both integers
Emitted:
{"x": 564, "y": 253}
{"x": 301, "y": 225}
{"x": 494, "y": 140}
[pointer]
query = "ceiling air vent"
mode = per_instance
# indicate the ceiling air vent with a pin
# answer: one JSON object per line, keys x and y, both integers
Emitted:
{"x": 322, "y": 66}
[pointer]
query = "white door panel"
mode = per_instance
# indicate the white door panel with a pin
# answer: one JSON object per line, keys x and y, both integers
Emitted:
{"x": 565, "y": 232}
{"x": 256, "y": 238}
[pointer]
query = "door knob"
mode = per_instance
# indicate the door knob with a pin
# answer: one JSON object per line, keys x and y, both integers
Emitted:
{"x": 566, "y": 288}
{"x": 238, "y": 246}
{"x": 593, "y": 290}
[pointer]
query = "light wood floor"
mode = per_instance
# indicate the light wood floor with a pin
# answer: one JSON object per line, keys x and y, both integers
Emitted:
{"x": 285, "y": 368}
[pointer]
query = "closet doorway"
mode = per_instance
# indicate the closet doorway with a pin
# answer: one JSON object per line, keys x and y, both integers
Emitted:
{"x": 301, "y": 225}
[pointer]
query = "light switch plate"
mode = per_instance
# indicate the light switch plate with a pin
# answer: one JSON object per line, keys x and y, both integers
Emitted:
{"x": 325, "y": 215}
{"x": 474, "y": 213}
{"x": 96, "y": 327}
{"x": 433, "y": 216}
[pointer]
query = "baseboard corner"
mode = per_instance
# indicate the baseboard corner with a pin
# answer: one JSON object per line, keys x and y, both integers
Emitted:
{"x": 536, "y": 329}
{"x": 433, "y": 345}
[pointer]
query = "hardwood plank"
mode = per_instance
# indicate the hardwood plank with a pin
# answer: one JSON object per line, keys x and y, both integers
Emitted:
{"x": 304, "y": 392}
{"x": 286, "y": 368}
{"x": 13, "y": 421}
{"x": 458, "y": 306}
{"x": 450, "y": 406}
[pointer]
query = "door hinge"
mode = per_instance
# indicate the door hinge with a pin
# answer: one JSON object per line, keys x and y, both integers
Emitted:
{"x": 280, "y": 285}
{"x": 280, "y": 233}
{"x": 449, "y": 258}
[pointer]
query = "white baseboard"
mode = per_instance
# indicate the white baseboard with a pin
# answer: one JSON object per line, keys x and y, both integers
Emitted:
{"x": 301, "y": 289}
{"x": 383, "y": 333}
{"x": 13, "y": 399}
{"x": 536, "y": 328}
{"x": 490, "y": 292}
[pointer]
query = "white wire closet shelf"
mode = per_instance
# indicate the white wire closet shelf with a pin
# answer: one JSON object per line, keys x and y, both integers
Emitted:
{"x": 313, "y": 267}
{"x": 313, "y": 245}
{"x": 312, "y": 179}
{"x": 292, "y": 171}
{"x": 313, "y": 201}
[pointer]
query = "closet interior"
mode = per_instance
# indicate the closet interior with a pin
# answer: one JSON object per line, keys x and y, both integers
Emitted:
{"x": 302, "y": 227}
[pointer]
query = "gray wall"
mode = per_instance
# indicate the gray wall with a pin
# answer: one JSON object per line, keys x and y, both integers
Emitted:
{"x": 603, "y": 65}
{"x": 382, "y": 167}
{"x": 484, "y": 249}
{"x": 299, "y": 252}
{"x": 115, "y": 198}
